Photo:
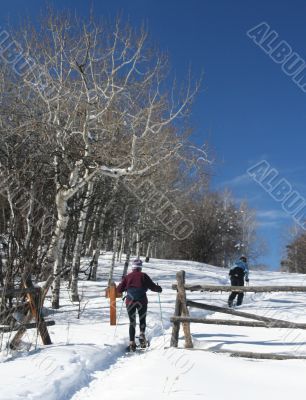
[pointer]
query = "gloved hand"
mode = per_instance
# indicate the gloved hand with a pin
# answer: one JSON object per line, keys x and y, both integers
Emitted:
{"x": 159, "y": 289}
{"x": 247, "y": 280}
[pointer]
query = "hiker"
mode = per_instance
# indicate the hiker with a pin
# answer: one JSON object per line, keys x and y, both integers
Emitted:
{"x": 238, "y": 273}
{"x": 136, "y": 285}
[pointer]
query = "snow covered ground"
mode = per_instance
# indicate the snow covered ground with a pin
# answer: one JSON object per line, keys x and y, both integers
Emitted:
{"x": 87, "y": 360}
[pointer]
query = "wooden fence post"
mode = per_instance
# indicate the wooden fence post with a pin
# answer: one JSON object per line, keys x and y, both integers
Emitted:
{"x": 176, "y": 324}
{"x": 35, "y": 307}
{"x": 112, "y": 294}
{"x": 14, "y": 343}
{"x": 35, "y": 299}
{"x": 112, "y": 303}
{"x": 180, "y": 276}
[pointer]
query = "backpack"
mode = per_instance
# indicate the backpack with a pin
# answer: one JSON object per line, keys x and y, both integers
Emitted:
{"x": 237, "y": 272}
{"x": 136, "y": 294}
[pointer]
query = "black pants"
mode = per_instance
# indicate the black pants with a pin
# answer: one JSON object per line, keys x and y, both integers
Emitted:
{"x": 236, "y": 281}
{"x": 142, "y": 313}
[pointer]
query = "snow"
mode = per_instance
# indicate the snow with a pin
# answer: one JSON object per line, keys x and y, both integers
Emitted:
{"x": 87, "y": 361}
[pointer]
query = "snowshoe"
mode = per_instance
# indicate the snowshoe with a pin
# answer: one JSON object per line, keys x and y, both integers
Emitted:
{"x": 143, "y": 341}
{"x": 131, "y": 348}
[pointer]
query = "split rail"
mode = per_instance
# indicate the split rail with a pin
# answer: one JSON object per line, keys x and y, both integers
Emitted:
{"x": 34, "y": 298}
{"x": 182, "y": 315}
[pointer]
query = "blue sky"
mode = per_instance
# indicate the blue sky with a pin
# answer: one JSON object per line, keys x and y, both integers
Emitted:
{"x": 248, "y": 109}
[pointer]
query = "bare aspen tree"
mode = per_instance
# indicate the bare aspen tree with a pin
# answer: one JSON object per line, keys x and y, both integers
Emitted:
{"x": 88, "y": 102}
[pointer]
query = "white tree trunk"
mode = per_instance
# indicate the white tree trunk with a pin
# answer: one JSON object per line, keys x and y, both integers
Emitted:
{"x": 99, "y": 244}
{"x": 121, "y": 247}
{"x": 148, "y": 251}
{"x": 155, "y": 251}
{"x": 96, "y": 258}
{"x": 128, "y": 253}
{"x": 79, "y": 243}
{"x": 58, "y": 245}
{"x": 137, "y": 245}
{"x": 92, "y": 241}
{"x": 122, "y": 237}
{"x": 112, "y": 267}
{"x": 28, "y": 219}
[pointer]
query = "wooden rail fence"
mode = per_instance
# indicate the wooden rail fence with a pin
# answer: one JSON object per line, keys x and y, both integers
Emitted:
{"x": 181, "y": 314}
{"x": 34, "y": 298}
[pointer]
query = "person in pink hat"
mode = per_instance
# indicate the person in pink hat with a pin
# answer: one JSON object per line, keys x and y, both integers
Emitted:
{"x": 136, "y": 284}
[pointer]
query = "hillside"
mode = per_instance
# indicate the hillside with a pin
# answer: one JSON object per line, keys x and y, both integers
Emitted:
{"x": 87, "y": 359}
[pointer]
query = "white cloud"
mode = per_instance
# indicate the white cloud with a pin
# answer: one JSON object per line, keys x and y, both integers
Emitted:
{"x": 237, "y": 181}
{"x": 272, "y": 214}
{"x": 268, "y": 224}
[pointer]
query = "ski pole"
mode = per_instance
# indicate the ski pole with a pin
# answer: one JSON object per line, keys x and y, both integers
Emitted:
{"x": 245, "y": 294}
{"x": 118, "y": 319}
{"x": 161, "y": 317}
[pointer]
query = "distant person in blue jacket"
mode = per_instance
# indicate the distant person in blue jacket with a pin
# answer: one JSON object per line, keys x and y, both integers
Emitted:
{"x": 238, "y": 273}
